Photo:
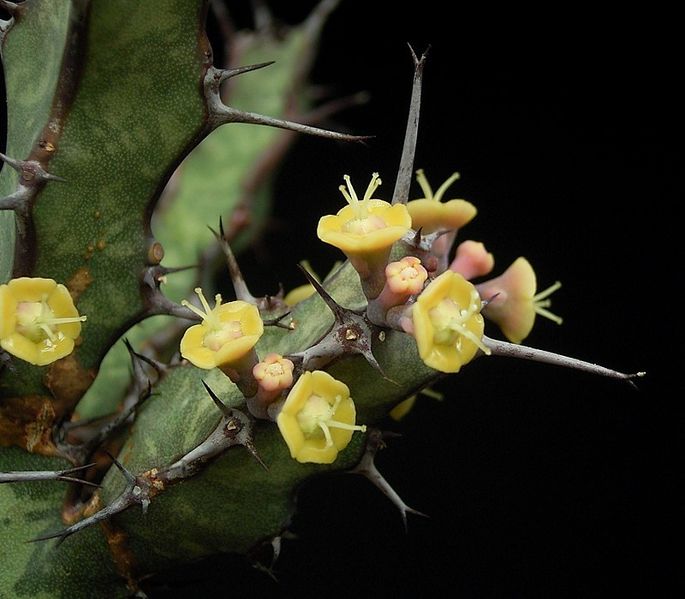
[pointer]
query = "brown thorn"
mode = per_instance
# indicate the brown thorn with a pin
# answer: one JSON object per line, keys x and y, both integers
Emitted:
{"x": 170, "y": 270}
{"x": 367, "y": 468}
{"x": 158, "y": 367}
{"x": 336, "y": 308}
{"x": 371, "y": 359}
{"x": 250, "y": 446}
{"x": 129, "y": 476}
{"x": 276, "y": 322}
{"x": 225, "y": 410}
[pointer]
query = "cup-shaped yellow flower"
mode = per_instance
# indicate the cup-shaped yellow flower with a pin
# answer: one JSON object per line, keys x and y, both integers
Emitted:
{"x": 225, "y": 339}
{"x": 513, "y": 302}
{"x": 431, "y": 214}
{"x": 317, "y": 419}
{"x": 365, "y": 231}
{"x": 38, "y": 320}
{"x": 448, "y": 326}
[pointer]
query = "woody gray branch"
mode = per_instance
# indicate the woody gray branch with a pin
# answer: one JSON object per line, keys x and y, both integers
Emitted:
{"x": 141, "y": 389}
{"x": 234, "y": 428}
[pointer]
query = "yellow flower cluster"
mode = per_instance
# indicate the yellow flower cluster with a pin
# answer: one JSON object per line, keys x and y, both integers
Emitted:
{"x": 317, "y": 419}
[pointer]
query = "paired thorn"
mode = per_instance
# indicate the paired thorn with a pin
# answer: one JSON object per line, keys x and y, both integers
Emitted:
{"x": 170, "y": 270}
{"x": 30, "y": 170}
{"x": 236, "y": 425}
{"x": 421, "y": 246}
{"x": 349, "y": 333}
{"x": 278, "y": 322}
{"x": 220, "y": 114}
{"x": 221, "y": 75}
{"x": 62, "y": 475}
{"x": 234, "y": 428}
{"x": 20, "y": 202}
{"x": 423, "y": 243}
{"x": 139, "y": 490}
{"x": 367, "y": 468}
{"x": 136, "y": 358}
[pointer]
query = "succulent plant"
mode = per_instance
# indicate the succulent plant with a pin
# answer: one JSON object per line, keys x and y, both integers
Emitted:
{"x": 182, "y": 423}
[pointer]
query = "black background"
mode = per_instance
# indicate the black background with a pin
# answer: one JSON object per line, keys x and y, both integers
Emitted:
{"x": 538, "y": 481}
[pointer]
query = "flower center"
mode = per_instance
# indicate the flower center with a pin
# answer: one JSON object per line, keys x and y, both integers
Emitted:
{"x": 409, "y": 273}
{"x": 316, "y": 419}
{"x": 406, "y": 276}
{"x": 37, "y": 322}
{"x": 275, "y": 369}
{"x": 450, "y": 321}
{"x": 363, "y": 222}
{"x": 362, "y": 226}
{"x": 227, "y": 331}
